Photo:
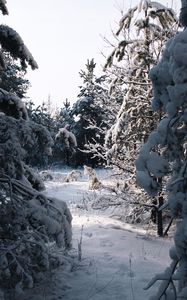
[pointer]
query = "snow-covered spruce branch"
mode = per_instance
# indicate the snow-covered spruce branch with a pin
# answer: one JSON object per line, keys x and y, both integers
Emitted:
{"x": 11, "y": 41}
{"x": 15, "y": 186}
{"x": 29, "y": 221}
{"x": 25, "y": 239}
{"x": 24, "y": 190}
{"x": 3, "y": 7}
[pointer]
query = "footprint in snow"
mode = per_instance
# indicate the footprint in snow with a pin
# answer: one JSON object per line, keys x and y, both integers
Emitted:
{"x": 88, "y": 234}
{"x": 106, "y": 243}
{"x": 107, "y": 256}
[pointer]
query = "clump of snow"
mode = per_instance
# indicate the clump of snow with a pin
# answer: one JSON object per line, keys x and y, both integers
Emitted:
{"x": 13, "y": 43}
{"x": 3, "y": 7}
{"x": 67, "y": 138}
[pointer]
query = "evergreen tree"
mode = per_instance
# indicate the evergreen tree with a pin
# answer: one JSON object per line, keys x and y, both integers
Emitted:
{"x": 29, "y": 221}
{"x": 41, "y": 116}
{"x": 63, "y": 119}
{"x": 53, "y": 122}
{"x": 91, "y": 117}
{"x": 13, "y": 77}
{"x": 164, "y": 154}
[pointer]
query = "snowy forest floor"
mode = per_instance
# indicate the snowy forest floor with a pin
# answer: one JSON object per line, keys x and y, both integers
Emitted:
{"x": 110, "y": 259}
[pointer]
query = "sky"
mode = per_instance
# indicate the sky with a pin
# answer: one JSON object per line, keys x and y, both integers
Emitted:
{"x": 62, "y": 35}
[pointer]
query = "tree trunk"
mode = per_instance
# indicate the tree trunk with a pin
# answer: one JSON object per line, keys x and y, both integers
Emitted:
{"x": 159, "y": 217}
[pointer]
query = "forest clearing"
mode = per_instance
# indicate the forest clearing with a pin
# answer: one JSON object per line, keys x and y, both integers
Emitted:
{"x": 109, "y": 259}
{"x": 93, "y": 195}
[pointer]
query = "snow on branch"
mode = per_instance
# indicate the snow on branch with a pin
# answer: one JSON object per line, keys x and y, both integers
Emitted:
{"x": 26, "y": 239}
{"x": 32, "y": 225}
{"x": 142, "y": 33}
{"x": 118, "y": 52}
{"x": 125, "y": 21}
{"x": 169, "y": 141}
{"x": 166, "y": 15}
{"x": 151, "y": 8}
{"x": 11, "y": 41}
{"x": 67, "y": 137}
{"x": 20, "y": 138}
{"x": 12, "y": 105}
{"x": 3, "y": 7}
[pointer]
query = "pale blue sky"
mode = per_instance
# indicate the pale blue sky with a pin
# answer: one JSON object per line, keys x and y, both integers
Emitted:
{"x": 62, "y": 35}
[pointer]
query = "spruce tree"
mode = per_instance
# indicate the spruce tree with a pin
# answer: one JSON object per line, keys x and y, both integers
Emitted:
{"x": 13, "y": 77}
{"x": 164, "y": 155}
{"x": 91, "y": 117}
{"x": 30, "y": 222}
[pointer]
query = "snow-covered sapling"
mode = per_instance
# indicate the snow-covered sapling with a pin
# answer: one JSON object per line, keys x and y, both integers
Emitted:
{"x": 67, "y": 137}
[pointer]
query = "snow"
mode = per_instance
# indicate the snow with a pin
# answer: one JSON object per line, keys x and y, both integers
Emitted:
{"x": 109, "y": 260}
{"x": 170, "y": 96}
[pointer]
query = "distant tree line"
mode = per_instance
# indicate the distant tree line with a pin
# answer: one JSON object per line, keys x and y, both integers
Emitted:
{"x": 112, "y": 116}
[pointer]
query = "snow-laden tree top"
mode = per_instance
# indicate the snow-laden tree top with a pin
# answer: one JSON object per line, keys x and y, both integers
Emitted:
{"x": 153, "y": 9}
{"x": 150, "y": 15}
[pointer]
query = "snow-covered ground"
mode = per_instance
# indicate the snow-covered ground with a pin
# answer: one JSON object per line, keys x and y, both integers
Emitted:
{"x": 110, "y": 260}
